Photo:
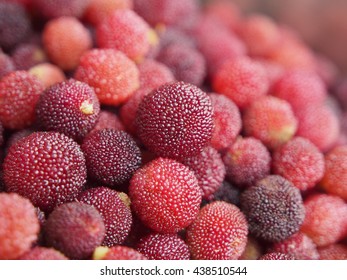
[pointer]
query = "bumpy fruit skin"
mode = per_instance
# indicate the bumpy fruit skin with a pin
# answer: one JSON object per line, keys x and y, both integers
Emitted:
{"x": 70, "y": 107}
{"x": 19, "y": 94}
{"x": 112, "y": 156}
{"x": 218, "y": 233}
{"x": 66, "y": 51}
{"x": 59, "y": 8}
{"x": 187, "y": 64}
{"x": 43, "y": 253}
{"x": 75, "y": 229}
{"x": 227, "y": 121}
{"x": 117, "y": 253}
{"x": 114, "y": 208}
{"x": 247, "y": 161}
{"x": 49, "y": 74}
{"x": 326, "y": 220}
{"x": 165, "y": 195}
{"x": 320, "y": 125}
{"x": 300, "y": 162}
{"x": 270, "y": 120}
{"x": 27, "y": 55}
{"x": 300, "y": 88}
{"x": 335, "y": 176}
{"x": 14, "y": 25}
{"x": 156, "y": 246}
{"x": 107, "y": 120}
{"x": 47, "y": 167}
{"x": 125, "y": 31}
{"x": 274, "y": 208}
{"x": 242, "y": 80}
{"x": 275, "y": 256}
{"x": 260, "y": 33}
{"x": 208, "y": 168}
{"x": 333, "y": 252}
{"x": 113, "y": 76}
{"x": 166, "y": 12}
{"x": 226, "y": 192}
{"x": 19, "y": 226}
{"x": 299, "y": 246}
{"x": 175, "y": 120}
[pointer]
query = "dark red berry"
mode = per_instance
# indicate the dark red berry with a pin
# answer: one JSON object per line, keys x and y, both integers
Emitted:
{"x": 42, "y": 253}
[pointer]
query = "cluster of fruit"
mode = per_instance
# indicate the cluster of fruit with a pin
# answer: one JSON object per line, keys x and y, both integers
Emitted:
{"x": 158, "y": 129}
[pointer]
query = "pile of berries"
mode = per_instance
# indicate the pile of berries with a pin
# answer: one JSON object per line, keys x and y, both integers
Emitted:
{"x": 167, "y": 130}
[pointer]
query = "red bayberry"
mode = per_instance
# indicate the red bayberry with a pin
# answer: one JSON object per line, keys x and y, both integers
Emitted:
{"x": 111, "y": 156}
{"x": 70, "y": 107}
{"x": 333, "y": 252}
{"x": 275, "y": 256}
{"x": 126, "y": 31}
{"x": 165, "y": 195}
{"x": 218, "y": 233}
{"x": 66, "y": 51}
{"x": 208, "y": 168}
{"x": 242, "y": 80}
{"x": 19, "y": 225}
{"x": 19, "y": 93}
{"x": 335, "y": 176}
{"x": 75, "y": 229}
{"x": 227, "y": 121}
{"x": 117, "y": 253}
{"x": 28, "y": 55}
{"x": 247, "y": 161}
{"x": 299, "y": 246}
{"x": 107, "y": 120}
{"x": 42, "y": 253}
{"x": 46, "y": 167}
{"x": 114, "y": 207}
{"x": 325, "y": 222}
{"x": 59, "y": 8}
{"x": 274, "y": 208}
{"x": 48, "y": 74}
{"x": 156, "y": 246}
{"x": 185, "y": 126}
{"x": 300, "y": 162}
{"x": 113, "y": 76}
{"x": 270, "y": 120}
{"x": 6, "y": 64}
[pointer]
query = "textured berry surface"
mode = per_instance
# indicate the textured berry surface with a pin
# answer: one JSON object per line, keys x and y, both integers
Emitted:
{"x": 117, "y": 253}
{"x": 75, "y": 229}
{"x": 19, "y": 226}
{"x": 111, "y": 156}
{"x": 6, "y": 64}
{"x": 242, "y": 80}
{"x": 325, "y": 221}
{"x": 59, "y": 8}
{"x": 46, "y": 167}
{"x": 226, "y": 192}
{"x": 156, "y": 246}
{"x": 218, "y": 233}
{"x": 270, "y": 120}
{"x": 320, "y": 125}
{"x": 300, "y": 162}
{"x": 43, "y": 253}
{"x": 333, "y": 252}
{"x": 275, "y": 256}
{"x": 247, "y": 161}
{"x": 227, "y": 121}
{"x": 125, "y": 31}
{"x": 299, "y": 246}
{"x": 107, "y": 120}
{"x": 300, "y": 88}
{"x": 113, "y": 76}
{"x": 114, "y": 208}
{"x": 335, "y": 176}
{"x": 14, "y": 24}
{"x": 19, "y": 94}
{"x": 187, "y": 64}
{"x": 65, "y": 51}
{"x": 183, "y": 128}
{"x": 70, "y": 107}
{"x": 274, "y": 208}
{"x": 49, "y": 74}
{"x": 27, "y": 55}
{"x": 208, "y": 168}
{"x": 165, "y": 195}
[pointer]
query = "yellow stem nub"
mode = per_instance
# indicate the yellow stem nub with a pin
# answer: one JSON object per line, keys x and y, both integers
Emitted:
{"x": 87, "y": 107}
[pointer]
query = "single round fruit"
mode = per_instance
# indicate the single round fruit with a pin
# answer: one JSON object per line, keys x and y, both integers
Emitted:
{"x": 175, "y": 120}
